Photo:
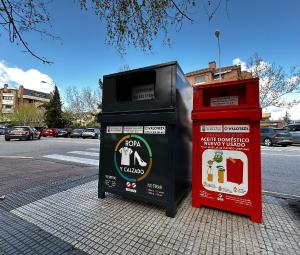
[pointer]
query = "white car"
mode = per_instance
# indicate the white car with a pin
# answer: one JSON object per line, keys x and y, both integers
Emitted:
{"x": 91, "y": 133}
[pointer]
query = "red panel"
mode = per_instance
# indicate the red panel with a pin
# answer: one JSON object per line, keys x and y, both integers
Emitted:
{"x": 226, "y": 147}
{"x": 234, "y": 170}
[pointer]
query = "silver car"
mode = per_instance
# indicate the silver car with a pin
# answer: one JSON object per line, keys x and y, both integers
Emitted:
{"x": 294, "y": 130}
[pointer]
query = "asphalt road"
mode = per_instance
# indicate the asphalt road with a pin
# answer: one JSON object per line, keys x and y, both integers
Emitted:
{"x": 28, "y": 163}
{"x": 25, "y": 164}
{"x": 281, "y": 170}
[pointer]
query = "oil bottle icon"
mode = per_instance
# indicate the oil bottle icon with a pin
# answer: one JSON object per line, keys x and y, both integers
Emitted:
{"x": 210, "y": 176}
{"x": 221, "y": 174}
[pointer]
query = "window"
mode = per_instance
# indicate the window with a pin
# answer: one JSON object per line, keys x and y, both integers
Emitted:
{"x": 7, "y": 106}
{"x": 7, "y": 98}
{"x": 200, "y": 79}
{"x": 264, "y": 130}
{"x": 217, "y": 76}
{"x": 293, "y": 128}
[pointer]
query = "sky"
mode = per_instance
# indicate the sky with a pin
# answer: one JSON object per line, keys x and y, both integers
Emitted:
{"x": 81, "y": 56}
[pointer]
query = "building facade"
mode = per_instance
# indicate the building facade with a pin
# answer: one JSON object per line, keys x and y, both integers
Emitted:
{"x": 12, "y": 97}
{"x": 213, "y": 74}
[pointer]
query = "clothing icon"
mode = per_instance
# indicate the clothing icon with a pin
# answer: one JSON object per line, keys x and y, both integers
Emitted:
{"x": 137, "y": 157}
{"x": 125, "y": 155}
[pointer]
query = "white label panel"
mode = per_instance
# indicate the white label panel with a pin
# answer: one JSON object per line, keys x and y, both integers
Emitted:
{"x": 222, "y": 101}
{"x": 133, "y": 130}
{"x": 144, "y": 92}
{"x": 236, "y": 128}
{"x": 114, "y": 129}
{"x": 211, "y": 128}
{"x": 155, "y": 130}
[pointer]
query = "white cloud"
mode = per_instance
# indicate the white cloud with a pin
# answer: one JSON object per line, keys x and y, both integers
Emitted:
{"x": 278, "y": 113}
{"x": 30, "y": 79}
{"x": 238, "y": 61}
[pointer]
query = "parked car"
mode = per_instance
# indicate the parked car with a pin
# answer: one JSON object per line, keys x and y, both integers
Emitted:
{"x": 77, "y": 132}
{"x": 2, "y": 130}
{"x": 63, "y": 132}
{"x": 270, "y": 136}
{"x": 294, "y": 130}
{"x": 40, "y": 129}
{"x": 22, "y": 133}
{"x": 48, "y": 132}
{"x": 91, "y": 133}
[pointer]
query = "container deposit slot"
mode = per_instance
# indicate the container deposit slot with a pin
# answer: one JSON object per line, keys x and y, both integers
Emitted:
{"x": 136, "y": 87}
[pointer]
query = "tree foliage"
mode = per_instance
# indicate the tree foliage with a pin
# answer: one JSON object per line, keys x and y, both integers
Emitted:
{"x": 275, "y": 83}
{"x": 53, "y": 114}
{"x": 83, "y": 103}
{"x": 133, "y": 22}
{"x": 27, "y": 115}
{"x": 287, "y": 118}
{"x": 128, "y": 22}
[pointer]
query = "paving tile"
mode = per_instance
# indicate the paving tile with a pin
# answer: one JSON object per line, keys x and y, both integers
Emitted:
{"x": 75, "y": 220}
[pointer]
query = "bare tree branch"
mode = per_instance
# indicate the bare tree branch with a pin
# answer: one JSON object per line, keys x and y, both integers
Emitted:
{"x": 26, "y": 22}
{"x": 214, "y": 9}
{"x": 275, "y": 84}
{"x": 128, "y": 22}
{"x": 180, "y": 11}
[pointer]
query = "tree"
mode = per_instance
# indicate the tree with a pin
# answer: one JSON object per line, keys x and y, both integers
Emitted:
{"x": 28, "y": 115}
{"x": 3, "y": 118}
{"x": 84, "y": 104}
{"x": 287, "y": 118}
{"x": 124, "y": 68}
{"x": 128, "y": 22}
{"x": 53, "y": 114}
{"x": 274, "y": 83}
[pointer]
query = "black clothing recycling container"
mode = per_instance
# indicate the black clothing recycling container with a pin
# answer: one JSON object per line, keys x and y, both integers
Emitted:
{"x": 145, "y": 151}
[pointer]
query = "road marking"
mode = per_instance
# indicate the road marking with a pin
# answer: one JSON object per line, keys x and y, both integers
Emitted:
{"x": 87, "y": 161}
{"x": 93, "y": 149}
{"x": 67, "y": 140}
{"x": 284, "y": 195}
{"x": 279, "y": 149}
{"x": 16, "y": 157}
{"x": 277, "y": 154}
{"x": 94, "y": 154}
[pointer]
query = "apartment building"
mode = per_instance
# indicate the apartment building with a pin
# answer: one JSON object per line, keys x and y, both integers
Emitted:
{"x": 213, "y": 74}
{"x": 11, "y": 97}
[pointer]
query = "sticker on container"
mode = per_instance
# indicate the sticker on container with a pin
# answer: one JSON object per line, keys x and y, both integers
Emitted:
{"x": 223, "y": 101}
{"x": 144, "y": 92}
{"x": 211, "y": 128}
{"x": 236, "y": 128}
{"x": 225, "y": 171}
{"x": 160, "y": 130}
{"x": 132, "y": 159}
{"x": 133, "y": 130}
{"x": 114, "y": 130}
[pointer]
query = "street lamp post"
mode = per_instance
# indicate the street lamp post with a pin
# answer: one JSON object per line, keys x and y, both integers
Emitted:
{"x": 217, "y": 34}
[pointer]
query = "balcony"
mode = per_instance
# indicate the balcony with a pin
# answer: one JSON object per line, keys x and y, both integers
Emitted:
{"x": 7, "y": 102}
{"x": 7, "y": 110}
{"x": 8, "y": 94}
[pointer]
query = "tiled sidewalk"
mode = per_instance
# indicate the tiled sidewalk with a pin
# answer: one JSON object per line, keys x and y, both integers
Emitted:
{"x": 120, "y": 226}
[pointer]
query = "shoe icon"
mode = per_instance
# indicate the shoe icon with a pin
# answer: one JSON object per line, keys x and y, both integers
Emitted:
{"x": 137, "y": 157}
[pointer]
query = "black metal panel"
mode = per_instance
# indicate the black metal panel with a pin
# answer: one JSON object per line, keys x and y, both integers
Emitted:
{"x": 146, "y": 144}
{"x": 118, "y": 89}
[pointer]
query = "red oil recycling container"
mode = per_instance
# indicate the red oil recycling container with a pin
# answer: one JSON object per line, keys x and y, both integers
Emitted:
{"x": 226, "y": 147}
